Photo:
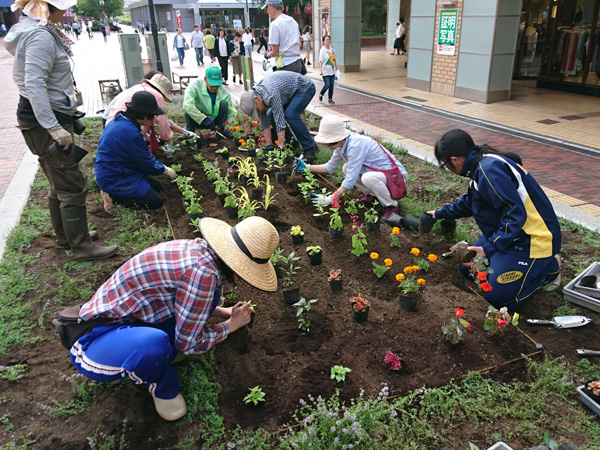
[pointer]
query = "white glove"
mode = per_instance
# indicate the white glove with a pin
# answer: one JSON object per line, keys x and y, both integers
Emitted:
{"x": 192, "y": 134}
{"x": 321, "y": 200}
{"x": 170, "y": 173}
{"x": 62, "y": 136}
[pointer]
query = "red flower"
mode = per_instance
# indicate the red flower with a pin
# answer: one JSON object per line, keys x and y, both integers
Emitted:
{"x": 486, "y": 286}
{"x": 470, "y": 327}
{"x": 482, "y": 276}
{"x": 459, "y": 312}
{"x": 245, "y": 117}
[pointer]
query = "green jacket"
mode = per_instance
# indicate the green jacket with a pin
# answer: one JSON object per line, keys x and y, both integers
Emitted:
{"x": 198, "y": 105}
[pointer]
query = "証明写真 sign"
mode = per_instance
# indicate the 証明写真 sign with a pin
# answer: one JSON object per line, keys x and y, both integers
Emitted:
{"x": 447, "y": 32}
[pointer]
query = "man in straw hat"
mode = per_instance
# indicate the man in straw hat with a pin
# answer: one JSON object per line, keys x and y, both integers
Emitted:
{"x": 363, "y": 158}
{"x": 278, "y": 98}
{"x": 125, "y": 170}
{"x": 161, "y": 301}
{"x": 47, "y": 113}
{"x": 207, "y": 104}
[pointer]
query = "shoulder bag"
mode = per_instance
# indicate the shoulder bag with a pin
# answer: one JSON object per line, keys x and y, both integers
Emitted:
{"x": 71, "y": 327}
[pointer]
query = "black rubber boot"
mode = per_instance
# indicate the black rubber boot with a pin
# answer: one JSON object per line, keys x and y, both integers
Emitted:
{"x": 309, "y": 155}
{"x": 76, "y": 230}
{"x": 57, "y": 223}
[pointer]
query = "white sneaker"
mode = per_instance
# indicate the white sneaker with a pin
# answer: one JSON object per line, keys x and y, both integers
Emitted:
{"x": 171, "y": 409}
{"x": 109, "y": 206}
{"x": 555, "y": 284}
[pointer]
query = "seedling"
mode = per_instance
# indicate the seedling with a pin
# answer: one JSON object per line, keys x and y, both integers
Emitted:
{"x": 254, "y": 396}
{"x": 303, "y": 306}
{"x": 313, "y": 250}
{"x": 339, "y": 373}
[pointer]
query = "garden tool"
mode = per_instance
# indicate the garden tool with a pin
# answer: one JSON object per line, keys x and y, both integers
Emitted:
{"x": 294, "y": 167}
{"x": 562, "y": 321}
{"x": 586, "y": 352}
{"x": 221, "y": 134}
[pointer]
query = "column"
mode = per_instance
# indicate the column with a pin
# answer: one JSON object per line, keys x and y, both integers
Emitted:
{"x": 393, "y": 17}
{"x": 345, "y": 33}
{"x": 420, "y": 54}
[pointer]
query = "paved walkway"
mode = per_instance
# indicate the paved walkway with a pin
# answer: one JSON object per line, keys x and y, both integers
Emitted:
{"x": 540, "y": 124}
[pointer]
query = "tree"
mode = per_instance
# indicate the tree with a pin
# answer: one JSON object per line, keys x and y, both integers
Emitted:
{"x": 91, "y": 8}
{"x": 372, "y": 16}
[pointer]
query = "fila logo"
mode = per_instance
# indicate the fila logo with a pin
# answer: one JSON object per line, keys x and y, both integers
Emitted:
{"x": 523, "y": 263}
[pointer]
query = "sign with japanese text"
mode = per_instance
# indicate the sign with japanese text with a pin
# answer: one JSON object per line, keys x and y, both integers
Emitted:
{"x": 178, "y": 15}
{"x": 447, "y": 32}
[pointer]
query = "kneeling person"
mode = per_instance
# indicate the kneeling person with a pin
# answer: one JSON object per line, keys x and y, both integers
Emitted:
{"x": 161, "y": 301}
{"x": 208, "y": 105}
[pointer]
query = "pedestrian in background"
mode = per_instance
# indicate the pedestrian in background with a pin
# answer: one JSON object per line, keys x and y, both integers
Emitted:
{"x": 248, "y": 40}
{"x": 307, "y": 43}
{"x": 197, "y": 41}
{"x": 237, "y": 51}
{"x": 262, "y": 38}
{"x": 284, "y": 39}
{"x": 400, "y": 36}
{"x": 179, "y": 44}
{"x": 103, "y": 31}
{"x": 89, "y": 31}
{"x": 328, "y": 68}
{"x": 209, "y": 43}
{"x": 223, "y": 53}
{"x": 46, "y": 115}
{"x": 2, "y": 30}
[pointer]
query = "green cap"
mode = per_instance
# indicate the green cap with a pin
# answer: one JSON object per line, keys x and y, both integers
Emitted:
{"x": 213, "y": 75}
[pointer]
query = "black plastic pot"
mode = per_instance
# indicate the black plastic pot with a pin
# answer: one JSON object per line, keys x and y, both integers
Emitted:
{"x": 336, "y": 285}
{"x": 281, "y": 177}
{"x": 255, "y": 194}
{"x": 360, "y": 316}
{"x": 287, "y": 160}
{"x": 230, "y": 162}
{"x": 244, "y": 180}
{"x": 408, "y": 302}
{"x": 589, "y": 393}
{"x": 194, "y": 217}
{"x": 297, "y": 238}
{"x": 232, "y": 212}
{"x": 336, "y": 234}
{"x": 278, "y": 271}
{"x": 448, "y": 226}
{"x": 290, "y": 291}
{"x": 222, "y": 198}
{"x": 373, "y": 226}
{"x": 589, "y": 281}
{"x": 260, "y": 162}
{"x": 224, "y": 155}
{"x": 426, "y": 223}
{"x": 409, "y": 222}
{"x": 315, "y": 259}
{"x": 252, "y": 153}
{"x": 198, "y": 145}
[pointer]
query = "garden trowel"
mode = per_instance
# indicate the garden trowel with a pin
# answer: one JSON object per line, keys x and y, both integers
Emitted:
{"x": 562, "y": 321}
{"x": 586, "y": 352}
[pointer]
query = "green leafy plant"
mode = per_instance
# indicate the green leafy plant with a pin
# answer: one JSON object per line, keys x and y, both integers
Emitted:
{"x": 13, "y": 373}
{"x": 454, "y": 331}
{"x": 222, "y": 151}
{"x": 193, "y": 208}
{"x": 230, "y": 201}
{"x": 359, "y": 242}
{"x": 176, "y": 167}
{"x": 380, "y": 269}
{"x": 313, "y": 250}
{"x": 338, "y": 373}
{"x": 302, "y": 307}
{"x": 496, "y": 320}
{"x": 296, "y": 231}
{"x": 255, "y": 396}
{"x": 269, "y": 196}
{"x": 371, "y": 215}
{"x": 394, "y": 239}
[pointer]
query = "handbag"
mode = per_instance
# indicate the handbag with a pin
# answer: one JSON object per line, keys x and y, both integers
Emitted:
{"x": 394, "y": 178}
{"x": 186, "y": 46}
{"x": 71, "y": 327}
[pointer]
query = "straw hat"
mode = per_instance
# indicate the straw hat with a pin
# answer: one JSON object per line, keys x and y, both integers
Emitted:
{"x": 331, "y": 130}
{"x": 245, "y": 248}
{"x": 162, "y": 84}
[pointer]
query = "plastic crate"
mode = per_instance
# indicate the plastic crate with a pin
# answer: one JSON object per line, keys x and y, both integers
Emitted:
{"x": 500, "y": 446}
{"x": 587, "y": 401}
{"x": 594, "y": 269}
{"x": 574, "y": 294}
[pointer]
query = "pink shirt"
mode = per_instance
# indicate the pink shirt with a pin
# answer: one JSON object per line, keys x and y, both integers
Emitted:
{"x": 162, "y": 122}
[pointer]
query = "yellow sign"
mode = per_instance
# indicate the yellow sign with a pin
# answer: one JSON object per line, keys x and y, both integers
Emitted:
{"x": 509, "y": 277}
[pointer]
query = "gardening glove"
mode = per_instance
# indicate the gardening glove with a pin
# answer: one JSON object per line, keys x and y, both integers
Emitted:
{"x": 192, "y": 134}
{"x": 170, "y": 173}
{"x": 321, "y": 200}
{"x": 301, "y": 165}
{"x": 62, "y": 136}
{"x": 209, "y": 123}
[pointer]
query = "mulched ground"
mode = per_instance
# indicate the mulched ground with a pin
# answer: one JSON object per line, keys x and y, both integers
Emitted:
{"x": 286, "y": 363}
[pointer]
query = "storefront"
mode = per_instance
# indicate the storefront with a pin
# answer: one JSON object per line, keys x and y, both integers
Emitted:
{"x": 559, "y": 45}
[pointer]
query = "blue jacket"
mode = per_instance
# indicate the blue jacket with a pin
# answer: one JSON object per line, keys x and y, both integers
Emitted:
{"x": 123, "y": 160}
{"x": 509, "y": 206}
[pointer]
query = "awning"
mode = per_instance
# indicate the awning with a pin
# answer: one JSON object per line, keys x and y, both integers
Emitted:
{"x": 225, "y": 4}
{"x": 5, "y": 3}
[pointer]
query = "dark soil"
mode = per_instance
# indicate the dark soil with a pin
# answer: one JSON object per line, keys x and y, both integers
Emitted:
{"x": 288, "y": 364}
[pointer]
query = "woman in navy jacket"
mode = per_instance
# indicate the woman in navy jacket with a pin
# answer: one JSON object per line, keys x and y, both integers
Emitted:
{"x": 521, "y": 235}
{"x": 125, "y": 169}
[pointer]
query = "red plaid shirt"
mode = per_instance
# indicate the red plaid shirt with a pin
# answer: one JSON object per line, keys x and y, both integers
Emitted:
{"x": 173, "y": 279}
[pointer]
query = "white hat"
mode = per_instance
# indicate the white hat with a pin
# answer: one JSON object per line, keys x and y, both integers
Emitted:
{"x": 331, "y": 130}
{"x": 62, "y": 4}
{"x": 247, "y": 104}
{"x": 162, "y": 84}
{"x": 245, "y": 248}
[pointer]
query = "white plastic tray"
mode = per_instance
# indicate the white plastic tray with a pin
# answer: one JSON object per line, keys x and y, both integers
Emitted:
{"x": 590, "y": 292}
{"x": 587, "y": 401}
{"x": 574, "y": 294}
{"x": 500, "y": 446}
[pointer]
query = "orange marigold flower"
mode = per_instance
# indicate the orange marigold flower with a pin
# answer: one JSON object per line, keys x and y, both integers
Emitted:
{"x": 276, "y": 142}
{"x": 432, "y": 257}
{"x": 387, "y": 262}
{"x": 421, "y": 281}
{"x": 240, "y": 141}
{"x": 408, "y": 269}
{"x": 230, "y": 128}
{"x": 237, "y": 128}
{"x": 396, "y": 230}
{"x": 374, "y": 255}
{"x": 481, "y": 276}
{"x": 399, "y": 277}
{"x": 415, "y": 251}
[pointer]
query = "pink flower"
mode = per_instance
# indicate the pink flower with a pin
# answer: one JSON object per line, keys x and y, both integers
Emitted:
{"x": 395, "y": 362}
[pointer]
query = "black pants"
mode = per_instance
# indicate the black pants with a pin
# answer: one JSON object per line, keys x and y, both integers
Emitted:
{"x": 192, "y": 125}
{"x": 151, "y": 200}
{"x": 263, "y": 43}
{"x": 223, "y": 62}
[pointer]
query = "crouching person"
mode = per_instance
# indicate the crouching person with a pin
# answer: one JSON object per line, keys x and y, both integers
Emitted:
{"x": 161, "y": 300}
{"x": 365, "y": 163}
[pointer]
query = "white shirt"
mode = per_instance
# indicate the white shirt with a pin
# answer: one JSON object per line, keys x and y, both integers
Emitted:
{"x": 285, "y": 33}
{"x": 327, "y": 55}
{"x": 400, "y": 31}
{"x": 197, "y": 39}
{"x": 247, "y": 40}
{"x": 223, "y": 47}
